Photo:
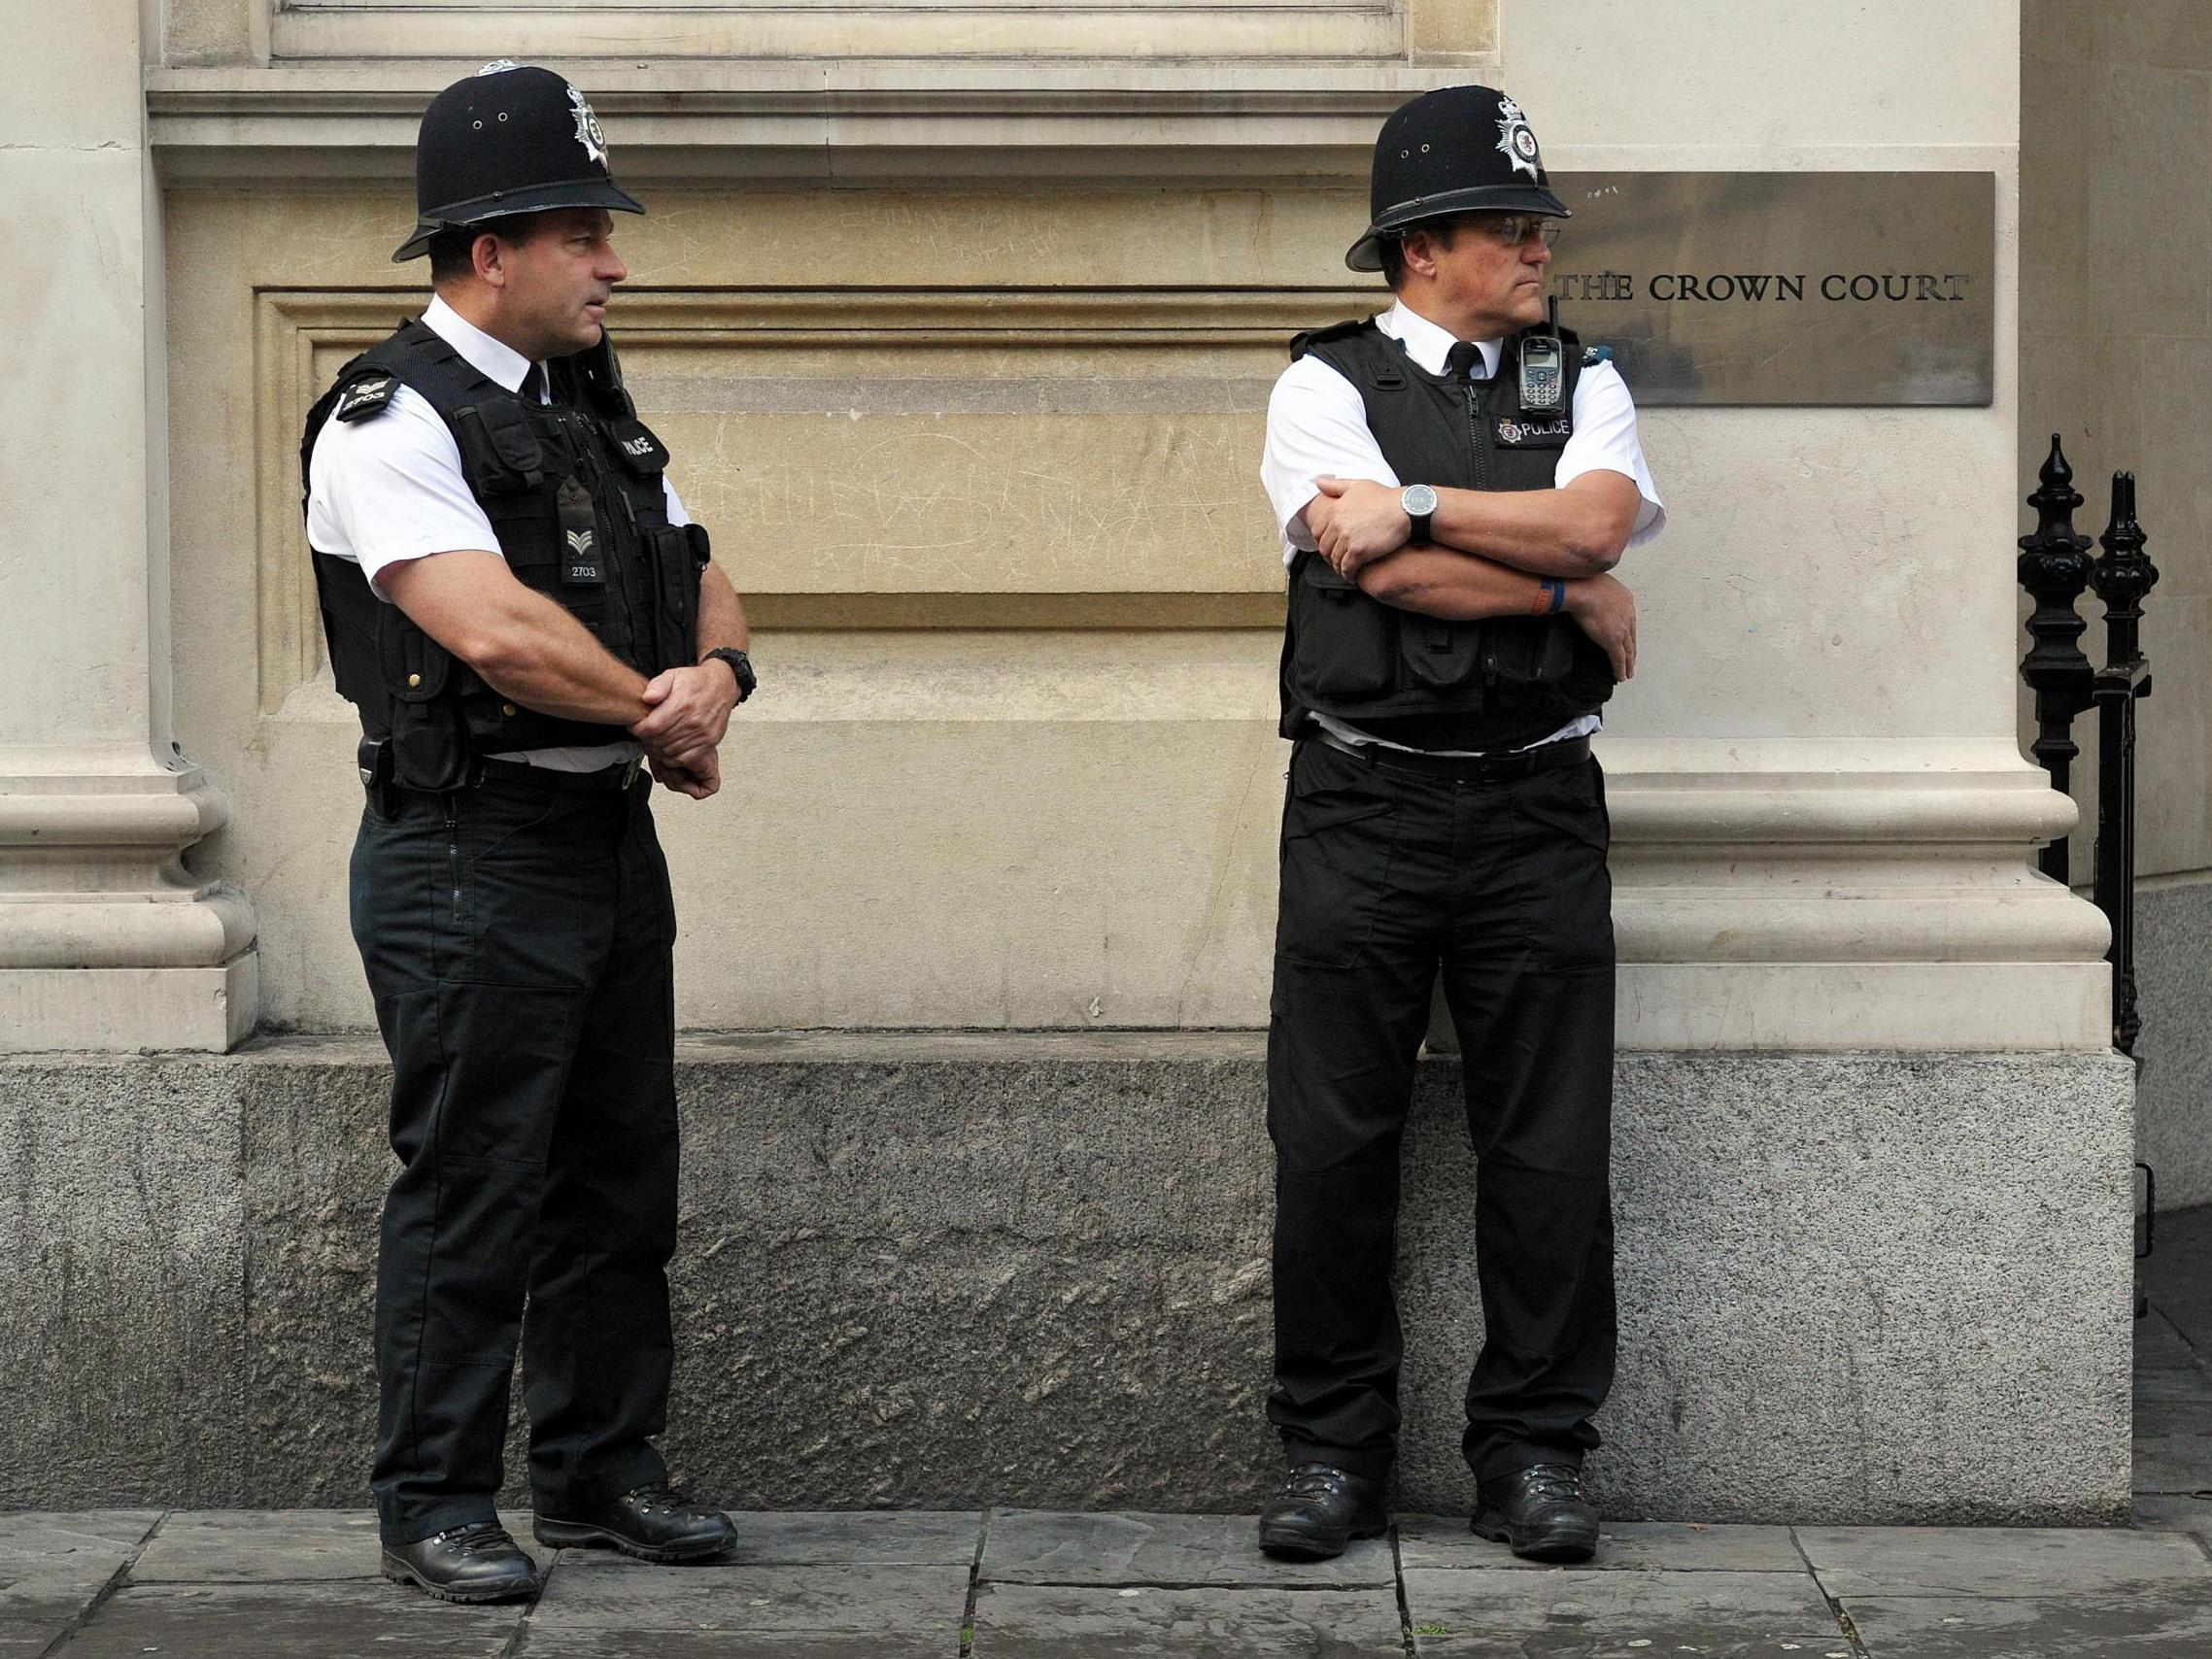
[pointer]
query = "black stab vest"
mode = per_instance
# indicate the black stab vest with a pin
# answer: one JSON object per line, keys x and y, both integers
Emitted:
{"x": 573, "y": 491}
{"x": 1495, "y": 684}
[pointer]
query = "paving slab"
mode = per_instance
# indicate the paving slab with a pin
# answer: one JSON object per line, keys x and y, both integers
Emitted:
{"x": 2160, "y": 1344}
{"x": 537, "y": 1644}
{"x": 46, "y": 1553}
{"x": 2157, "y": 1418}
{"x": 2173, "y": 1462}
{"x": 2169, "y": 1621}
{"x": 275, "y": 1546}
{"x": 1998, "y": 1561}
{"x": 1083, "y": 1621}
{"x": 290, "y": 1621}
{"x": 2176, "y": 1385}
{"x": 2178, "y": 1276}
{"x": 865, "y": 1606}
{"x": 914, "y": 1538}
{"x": 29, "y": 1623}
{"x": 1446, "y": 1540}
{"x": 53, "y": 1565}
{"x": 1038, "y": 1546}
{"x": 244, "y": 1546}
{"x": 27, "y": 1638}
{"x": 1592, "y": 1613}
{"x": 2174, "y": 1511}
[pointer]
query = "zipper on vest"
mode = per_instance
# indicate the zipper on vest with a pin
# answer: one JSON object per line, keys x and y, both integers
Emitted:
{"x": 1482, "y": 453}
{"x": 638, "y": 583}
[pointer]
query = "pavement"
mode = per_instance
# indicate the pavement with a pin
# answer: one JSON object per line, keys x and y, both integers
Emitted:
{"x": 1030, "y": 1584}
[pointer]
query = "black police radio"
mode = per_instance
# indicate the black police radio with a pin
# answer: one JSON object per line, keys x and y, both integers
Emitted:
{"x": 1543, "y": 364}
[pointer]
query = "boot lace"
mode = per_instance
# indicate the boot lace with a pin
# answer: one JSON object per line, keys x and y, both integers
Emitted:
{"x": 1317, "y": 1480}
{"x": 663, "y": 1499}
{"x": 1553, "y": 1483}
{"x": 478, "y": 1538}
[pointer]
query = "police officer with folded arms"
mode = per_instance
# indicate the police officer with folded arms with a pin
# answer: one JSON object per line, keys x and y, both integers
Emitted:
{"x": 527, "y": 621}
{"x": 1455, "y": 478}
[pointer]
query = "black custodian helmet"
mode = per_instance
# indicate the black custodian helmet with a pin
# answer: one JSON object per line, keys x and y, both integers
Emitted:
{"x": 510, "y": 139}
{"x": 1456, "y": 149}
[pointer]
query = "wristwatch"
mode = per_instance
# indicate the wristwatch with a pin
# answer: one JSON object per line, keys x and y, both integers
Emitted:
{"x": 1418, "y": 502}
{"x": 740, "y": 665}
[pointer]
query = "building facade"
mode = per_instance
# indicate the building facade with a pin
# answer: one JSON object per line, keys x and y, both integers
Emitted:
{"x": 959, "y": 322}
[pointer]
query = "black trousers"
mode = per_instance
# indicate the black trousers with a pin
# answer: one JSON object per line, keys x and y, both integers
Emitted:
{"x": 1389, "y": 877}
{"x": 516, "y": 941}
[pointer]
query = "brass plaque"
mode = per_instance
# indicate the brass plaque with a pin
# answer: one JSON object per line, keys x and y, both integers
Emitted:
{"x": 1784, "y": 288}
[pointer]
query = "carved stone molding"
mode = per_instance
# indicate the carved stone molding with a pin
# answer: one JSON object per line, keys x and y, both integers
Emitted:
{"x": 840, "y": 122}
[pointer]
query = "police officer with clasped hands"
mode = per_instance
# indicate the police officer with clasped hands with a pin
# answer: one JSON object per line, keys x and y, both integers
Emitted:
{"x": 527, "y": 621}
{"x": 1455, "y": 479}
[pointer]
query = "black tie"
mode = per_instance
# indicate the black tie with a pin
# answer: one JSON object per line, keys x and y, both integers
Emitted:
{"x": 1464, "y": 361}
{"x": 533, "y": 389}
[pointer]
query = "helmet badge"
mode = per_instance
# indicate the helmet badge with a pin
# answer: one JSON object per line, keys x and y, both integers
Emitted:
{"x": 587, "y": 133}
{"x": 1516, "y": 140}
{"x": 497, "y": 66}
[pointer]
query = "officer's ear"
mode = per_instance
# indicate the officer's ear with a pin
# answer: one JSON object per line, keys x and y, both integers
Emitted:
{"x": 1417, "y": 250}
{"x": 488, "y": 258}
{"x": 491, "y": 254}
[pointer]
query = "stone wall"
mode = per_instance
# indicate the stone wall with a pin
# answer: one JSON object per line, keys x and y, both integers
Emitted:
{"x": 2173, "y": 1094}
{"x": 971, "y": 394}
{"x": 2115, "y": 354}
{"x": 957, "y": 1270}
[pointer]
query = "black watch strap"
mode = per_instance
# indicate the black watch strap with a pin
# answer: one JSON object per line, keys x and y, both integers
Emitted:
{"x": 740, "y": 665}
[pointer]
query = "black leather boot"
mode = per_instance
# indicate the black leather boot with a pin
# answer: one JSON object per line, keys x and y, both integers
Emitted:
{"x": 654, "y": 1523}
{"x": 1320, "y": 1509}
{"x": 475, "y": 1563}
{"x": 1540, "y": 1512}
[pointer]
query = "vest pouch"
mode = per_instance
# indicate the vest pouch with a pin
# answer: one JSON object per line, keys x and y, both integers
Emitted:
{"x": 1344, "y": 644}
{"x": 500, "y": 454}
{"x": 1439, "y": 655}
{"x": 429, "y": 743}
{"x": 674, "y": 568}
{"x": 1527, "y": 654}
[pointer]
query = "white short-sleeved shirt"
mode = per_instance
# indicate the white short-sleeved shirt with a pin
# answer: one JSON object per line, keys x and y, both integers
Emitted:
{"x": 1317, "y": 428}
{"x": 390, "y": 488}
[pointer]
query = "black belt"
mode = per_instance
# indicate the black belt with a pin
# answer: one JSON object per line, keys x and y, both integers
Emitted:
{"x": 1467, "y": 768}
{"x": 621, "y": 775}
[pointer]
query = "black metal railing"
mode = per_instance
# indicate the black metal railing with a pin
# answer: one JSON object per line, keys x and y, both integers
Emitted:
{"x": 2053, "y": 567}
{"x": 2122, "y": 576}
{"x": 2056, "y": 567}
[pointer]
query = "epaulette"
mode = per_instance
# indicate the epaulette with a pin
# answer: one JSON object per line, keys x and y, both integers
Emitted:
{"x": 1596, "y": 354}
{"x": 366, "y": 397}
{"x": 1300, "y": 344}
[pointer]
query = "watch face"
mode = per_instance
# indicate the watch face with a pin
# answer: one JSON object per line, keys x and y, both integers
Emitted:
{"x": 1419, "y": 500}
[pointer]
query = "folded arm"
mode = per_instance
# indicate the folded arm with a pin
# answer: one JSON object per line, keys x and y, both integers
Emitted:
{"x": 1459, "y": 587}
{"x": 521, "y": 643}
{"x": 1579, "y": 528}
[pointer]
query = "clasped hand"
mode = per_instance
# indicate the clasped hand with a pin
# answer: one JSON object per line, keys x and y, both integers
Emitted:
{"x": 687, "y": 714}
{"x": 1355, "y": 522}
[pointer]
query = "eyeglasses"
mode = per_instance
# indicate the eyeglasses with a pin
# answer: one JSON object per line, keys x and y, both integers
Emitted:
{"x": 1515, "y": 229}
